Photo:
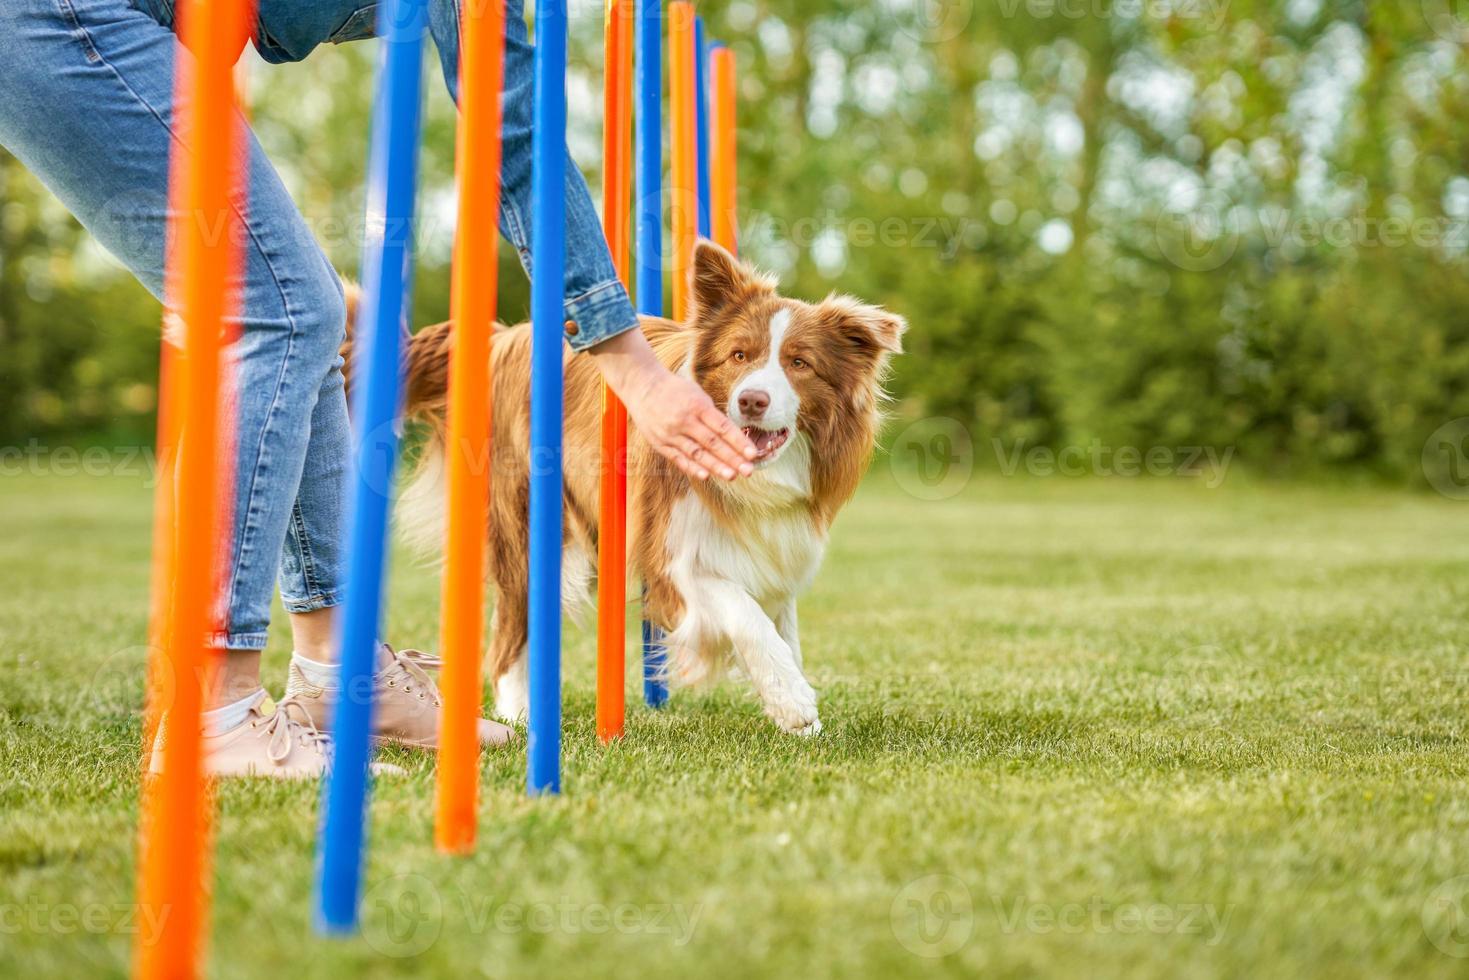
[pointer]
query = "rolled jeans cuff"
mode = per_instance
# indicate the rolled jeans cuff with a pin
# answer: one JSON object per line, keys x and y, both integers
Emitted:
{"x": 224, "y": 640}
{"x": 312, "y": 603}
{"x": 599, "y": 314}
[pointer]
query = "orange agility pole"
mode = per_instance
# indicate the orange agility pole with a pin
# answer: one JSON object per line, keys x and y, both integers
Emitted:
{"x": 472, "y": 306}
{"x": 684, "y": 213}
{"x": 722, "y": 166}
{"x": 174, "y": 839}
{"x": 612, "y": 526}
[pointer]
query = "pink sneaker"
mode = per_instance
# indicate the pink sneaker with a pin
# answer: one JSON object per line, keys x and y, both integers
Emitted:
{"x": 406, "y": 702}
{"x": 274, "y": 740}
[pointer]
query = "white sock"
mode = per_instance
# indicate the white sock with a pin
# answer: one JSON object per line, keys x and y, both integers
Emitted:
{"x": 318, "y": 673}
{"x": 220, "y": 720}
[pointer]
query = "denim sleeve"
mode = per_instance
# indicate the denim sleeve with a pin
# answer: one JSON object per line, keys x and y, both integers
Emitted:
{"x": 597, "y": 306}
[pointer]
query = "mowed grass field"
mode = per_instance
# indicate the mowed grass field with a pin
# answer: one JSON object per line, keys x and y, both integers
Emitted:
{"x": 1120, "y": 728}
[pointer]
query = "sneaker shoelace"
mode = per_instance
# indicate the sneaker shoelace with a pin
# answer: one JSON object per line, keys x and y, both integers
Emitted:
{"x": 283, "y": 731}
{"x": 410, "y": 667}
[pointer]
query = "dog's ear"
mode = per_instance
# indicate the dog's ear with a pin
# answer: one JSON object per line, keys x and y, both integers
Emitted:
{"x": 869, "y": 329}
{"x": 722, "y": 282}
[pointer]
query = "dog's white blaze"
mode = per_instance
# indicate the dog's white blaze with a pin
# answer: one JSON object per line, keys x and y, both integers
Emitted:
{"x": 770, "y": 377}
{"x": 780, "y": 322}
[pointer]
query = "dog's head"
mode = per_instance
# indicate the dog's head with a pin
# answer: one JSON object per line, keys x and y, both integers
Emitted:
{"x": 781, "y": 368}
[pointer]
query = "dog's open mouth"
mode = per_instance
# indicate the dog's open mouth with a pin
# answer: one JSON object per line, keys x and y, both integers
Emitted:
{"x": 767, "y": 441}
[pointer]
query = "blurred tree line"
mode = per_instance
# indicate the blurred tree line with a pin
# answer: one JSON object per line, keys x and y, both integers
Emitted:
{"x": 1230, "y": 223}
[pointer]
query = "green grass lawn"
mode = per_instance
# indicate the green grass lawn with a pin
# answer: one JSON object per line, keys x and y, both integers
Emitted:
{"x": 1130, "y": 728}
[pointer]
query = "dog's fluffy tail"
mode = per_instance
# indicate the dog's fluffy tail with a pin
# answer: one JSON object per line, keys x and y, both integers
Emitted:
{"x": 420, "y": 512}
{"x": 427, "y": 363}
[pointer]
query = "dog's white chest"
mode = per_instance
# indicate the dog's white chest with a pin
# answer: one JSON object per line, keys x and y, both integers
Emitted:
{"x": 772, "y": 556}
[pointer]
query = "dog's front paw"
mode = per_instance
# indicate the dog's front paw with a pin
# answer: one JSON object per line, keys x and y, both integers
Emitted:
{"x": 793, "y": 708}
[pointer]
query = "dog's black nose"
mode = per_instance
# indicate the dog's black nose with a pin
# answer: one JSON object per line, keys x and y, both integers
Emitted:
{"x": 753, "y": 404}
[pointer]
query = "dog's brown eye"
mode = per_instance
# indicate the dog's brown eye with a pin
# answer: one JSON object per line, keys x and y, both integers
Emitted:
{"x": 797, "y": 362}
{"x": 739, "y": 355}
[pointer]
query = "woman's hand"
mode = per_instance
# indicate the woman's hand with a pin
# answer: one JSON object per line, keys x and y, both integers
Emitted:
{"x": 672, "y": 413}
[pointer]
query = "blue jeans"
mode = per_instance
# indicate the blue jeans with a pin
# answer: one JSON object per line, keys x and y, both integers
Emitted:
{"x": 86, "y": 103}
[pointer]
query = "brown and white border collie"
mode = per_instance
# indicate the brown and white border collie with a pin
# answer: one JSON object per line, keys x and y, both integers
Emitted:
{"x": 723, "y": 563}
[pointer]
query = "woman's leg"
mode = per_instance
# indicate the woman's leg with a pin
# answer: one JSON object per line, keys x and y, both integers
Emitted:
{"x": 86, "y": 102}
{"x": 312, "y": 563}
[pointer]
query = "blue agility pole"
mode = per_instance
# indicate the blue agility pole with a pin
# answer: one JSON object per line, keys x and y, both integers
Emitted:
{"x": 701, "y": 124}
{"x": 648, "y": 128}
{"x": 386, "y": 259}
{"x": 655, "y": 661}
{"x": 548, "y": 243}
